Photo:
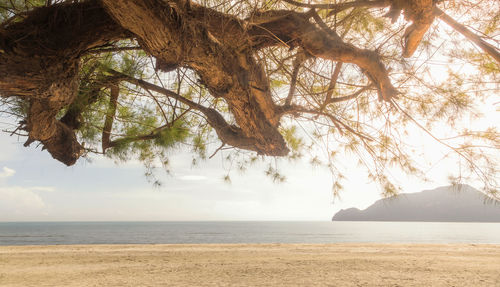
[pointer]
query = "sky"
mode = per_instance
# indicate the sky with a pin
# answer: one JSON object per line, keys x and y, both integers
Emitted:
{"x": 35, "y": 187}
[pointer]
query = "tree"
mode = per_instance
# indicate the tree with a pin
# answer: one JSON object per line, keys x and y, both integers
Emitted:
{"x": 134, "y": 78}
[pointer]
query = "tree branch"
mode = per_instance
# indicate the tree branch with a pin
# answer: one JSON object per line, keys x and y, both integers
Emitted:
{"x": 341, "y": 6}
{"x": 88, "y": 95}
{"x": 292, "y": 26}
{"x": 228, "y": 134}
{"x": 110, "y": 115}
{"x": 486, "y": 47}
{"x": 297, "y": 62}
{"x": 348, "y": 97}
{"x": 190, "y": 35}
{"x": 333, "y": 119}
{"x": 113, "y": 49}
{"x": 331, "y": 86}
{"x": 40, "y": 61}
{"x": 421, "y": 13}
{"x": 152, "y": 135}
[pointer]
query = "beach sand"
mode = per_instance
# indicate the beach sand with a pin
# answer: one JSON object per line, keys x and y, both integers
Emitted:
{"x": 251, "y": 265}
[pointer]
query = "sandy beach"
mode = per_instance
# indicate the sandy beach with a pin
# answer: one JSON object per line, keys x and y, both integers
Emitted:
{"x": 251, "y": 265}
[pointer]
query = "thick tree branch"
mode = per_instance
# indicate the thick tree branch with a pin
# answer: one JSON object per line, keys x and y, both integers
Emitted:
{"x": 39, "y": 61}
{"x": 421, "y": 13}
{"x": 486, "y": 47}
{"x": 293, "y": 27}
{"x": 323, "y": 25}
{"x": 228, "y": 134}
{"x": 181, "y": 34}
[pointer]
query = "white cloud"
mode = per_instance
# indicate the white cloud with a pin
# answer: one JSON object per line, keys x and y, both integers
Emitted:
{"x": 7, "y": 172}
{"x": 21, "y": 203}
{"x": 18, "y": 203}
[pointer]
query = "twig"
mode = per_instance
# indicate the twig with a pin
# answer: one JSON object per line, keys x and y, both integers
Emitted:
{"x": 110, "y": 115}
{"x": 115, "y": 49}
{"x": 217, "y": 150}
{"x": 331, "y": 86}
{"x": 293, "y": 83}
{"x": 341, "y": 6}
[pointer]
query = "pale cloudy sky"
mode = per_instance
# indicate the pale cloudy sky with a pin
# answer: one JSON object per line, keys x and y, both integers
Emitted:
{"x": 34, "y": 187}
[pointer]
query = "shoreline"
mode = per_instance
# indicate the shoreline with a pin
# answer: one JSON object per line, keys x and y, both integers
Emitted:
{"x": 264, "y": 244}
{"x": 338, "y": 264}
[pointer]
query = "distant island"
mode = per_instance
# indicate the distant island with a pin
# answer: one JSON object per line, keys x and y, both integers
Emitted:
{"x": 444, "y": 204}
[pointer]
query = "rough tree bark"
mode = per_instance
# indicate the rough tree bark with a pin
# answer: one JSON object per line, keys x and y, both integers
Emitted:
{"x": 39, "y": 61}
{"x": 421, "y": 13}
{"x": 177, "y": 34}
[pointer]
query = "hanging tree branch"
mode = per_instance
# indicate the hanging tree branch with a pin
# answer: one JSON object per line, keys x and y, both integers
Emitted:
{"x": 331, "y": 86}
{"x": 110, "y": 115}
{"x": 297, "y": 62}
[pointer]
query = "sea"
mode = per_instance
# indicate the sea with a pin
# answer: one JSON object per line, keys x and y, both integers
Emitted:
{"x": 59, "y": 233}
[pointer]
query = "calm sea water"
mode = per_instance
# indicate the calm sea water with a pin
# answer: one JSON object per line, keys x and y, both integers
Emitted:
{"x": 41, "y": 233}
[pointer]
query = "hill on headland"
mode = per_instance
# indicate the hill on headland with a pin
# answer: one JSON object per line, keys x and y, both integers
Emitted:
{"x": 445, "y": 204}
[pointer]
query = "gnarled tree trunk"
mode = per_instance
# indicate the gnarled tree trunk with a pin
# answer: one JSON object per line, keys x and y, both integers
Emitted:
{"x": 40, "y": 62}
